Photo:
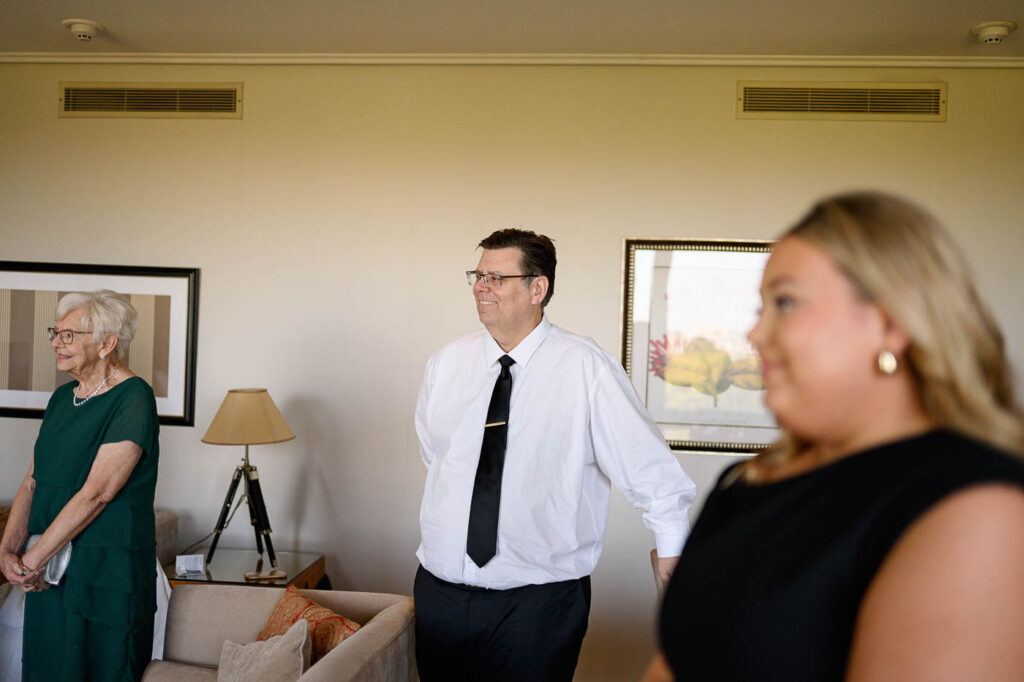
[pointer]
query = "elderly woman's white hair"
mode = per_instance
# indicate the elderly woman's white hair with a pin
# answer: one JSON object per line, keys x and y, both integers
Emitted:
{"x": 105, "y": 312}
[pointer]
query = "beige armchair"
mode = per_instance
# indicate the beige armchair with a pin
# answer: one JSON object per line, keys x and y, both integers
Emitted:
{"x": 201, "y": 617}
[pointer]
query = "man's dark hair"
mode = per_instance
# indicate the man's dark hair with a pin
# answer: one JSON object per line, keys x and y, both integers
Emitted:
{"x": 538, "y": 253}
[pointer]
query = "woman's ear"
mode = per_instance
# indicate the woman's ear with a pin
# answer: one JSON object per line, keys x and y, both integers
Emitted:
{"x": 108, "y": 346}
{"x": 894, "y": 338}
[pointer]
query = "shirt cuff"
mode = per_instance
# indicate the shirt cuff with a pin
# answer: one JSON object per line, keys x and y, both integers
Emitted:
{"x": 669, "y": 545}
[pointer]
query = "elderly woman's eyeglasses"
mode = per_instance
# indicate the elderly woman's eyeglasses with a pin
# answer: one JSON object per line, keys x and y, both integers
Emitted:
{"x": 493, "y": 281}
{"x": 67, "y": 336}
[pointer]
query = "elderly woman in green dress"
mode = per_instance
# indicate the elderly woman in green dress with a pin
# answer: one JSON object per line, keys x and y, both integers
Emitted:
{"x": 91, "y": 481}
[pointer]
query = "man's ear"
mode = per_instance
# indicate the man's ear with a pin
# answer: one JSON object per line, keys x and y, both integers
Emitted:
{"x": 538, "y": 290}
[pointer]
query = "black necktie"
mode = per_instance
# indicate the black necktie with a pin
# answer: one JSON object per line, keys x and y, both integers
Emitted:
{"x": 482, "y": 539}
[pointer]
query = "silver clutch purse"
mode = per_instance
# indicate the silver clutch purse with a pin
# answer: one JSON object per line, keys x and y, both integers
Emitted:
{"x": 57, "y": 564}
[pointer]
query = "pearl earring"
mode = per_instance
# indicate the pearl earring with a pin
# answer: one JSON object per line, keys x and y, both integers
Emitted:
{"x": 102, "y": 355}
{"x": 887, "y": 363}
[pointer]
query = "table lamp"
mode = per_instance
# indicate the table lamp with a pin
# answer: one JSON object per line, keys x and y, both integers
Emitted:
{"x": 247, "y": 417}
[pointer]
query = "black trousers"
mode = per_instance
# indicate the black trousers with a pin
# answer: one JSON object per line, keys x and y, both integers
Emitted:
{"x": 530, "y": 633}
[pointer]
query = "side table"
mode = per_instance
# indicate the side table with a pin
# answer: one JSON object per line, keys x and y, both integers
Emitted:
{"x": 229, "y": 566}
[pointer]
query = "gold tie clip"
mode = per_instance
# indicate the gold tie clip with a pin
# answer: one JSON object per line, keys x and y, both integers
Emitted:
{"x": 495, "y": 424}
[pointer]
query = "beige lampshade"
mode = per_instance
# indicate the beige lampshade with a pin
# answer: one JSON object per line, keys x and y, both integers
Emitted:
{"x": 248, "y": 416}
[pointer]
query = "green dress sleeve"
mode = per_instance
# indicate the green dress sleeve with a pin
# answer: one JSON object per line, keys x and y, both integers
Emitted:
{"x": 135, "y": 420}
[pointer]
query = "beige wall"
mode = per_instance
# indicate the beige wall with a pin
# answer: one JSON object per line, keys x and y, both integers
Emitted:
{"x": 333, "y": 221}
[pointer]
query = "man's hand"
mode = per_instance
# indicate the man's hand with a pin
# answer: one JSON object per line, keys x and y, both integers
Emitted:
{"x": 666, "y": 567}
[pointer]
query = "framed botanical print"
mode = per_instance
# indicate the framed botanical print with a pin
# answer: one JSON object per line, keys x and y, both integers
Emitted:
{"x": 687, "y": 308}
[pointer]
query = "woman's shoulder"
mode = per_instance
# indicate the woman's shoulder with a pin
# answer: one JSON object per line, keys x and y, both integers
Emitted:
{"x": 903, "y": 483}
{"x": 947, "y": 454}
{"x": 136, "y": 384}
{"x": 135, "y": 391}
{"x": 950, "y": 584}
{"x": 939, "y": 457}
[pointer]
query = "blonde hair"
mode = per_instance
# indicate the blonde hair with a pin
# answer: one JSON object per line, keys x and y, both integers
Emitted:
{"x": 900, "y": 257}
{"x": 105, "y": 312}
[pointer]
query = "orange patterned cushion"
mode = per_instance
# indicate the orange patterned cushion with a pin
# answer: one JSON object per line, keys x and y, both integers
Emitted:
{"x": 327, "y": 629}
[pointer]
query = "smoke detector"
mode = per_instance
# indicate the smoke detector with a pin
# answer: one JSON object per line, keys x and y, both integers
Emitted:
{"x": 83, "y": 29}
{"x": 993, "y": 32}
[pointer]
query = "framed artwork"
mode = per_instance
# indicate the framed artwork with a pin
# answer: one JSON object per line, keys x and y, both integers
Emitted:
{"x": 163, "y": 351}
{"x": 687, "y": 308}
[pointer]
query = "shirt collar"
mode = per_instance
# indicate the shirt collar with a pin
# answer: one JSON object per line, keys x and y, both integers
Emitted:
{"x": 525, "y": 348}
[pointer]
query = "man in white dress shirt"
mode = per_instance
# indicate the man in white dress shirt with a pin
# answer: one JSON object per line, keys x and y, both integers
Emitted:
{"x": 573, "y": 426}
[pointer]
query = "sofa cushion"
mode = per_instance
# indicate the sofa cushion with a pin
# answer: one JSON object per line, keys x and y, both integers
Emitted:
{"x": 171, "y": 671}
{"x": 282, "y": 658}
{"x": 327, "y": 628}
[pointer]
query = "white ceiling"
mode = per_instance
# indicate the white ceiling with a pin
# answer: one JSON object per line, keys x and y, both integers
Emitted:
{"x": 933, "y": 28}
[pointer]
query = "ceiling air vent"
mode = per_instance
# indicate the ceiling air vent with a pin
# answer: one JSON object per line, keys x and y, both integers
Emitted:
{"x": 843, "y": 101}
{"x": 151, "y": 100}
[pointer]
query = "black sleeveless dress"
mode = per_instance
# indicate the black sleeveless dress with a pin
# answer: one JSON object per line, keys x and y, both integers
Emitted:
{"x": 771, "y": 579}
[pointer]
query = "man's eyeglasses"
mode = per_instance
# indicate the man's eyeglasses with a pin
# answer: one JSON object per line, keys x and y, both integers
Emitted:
{"x": 493, "y": 281}
{"x": 67, "y": 336}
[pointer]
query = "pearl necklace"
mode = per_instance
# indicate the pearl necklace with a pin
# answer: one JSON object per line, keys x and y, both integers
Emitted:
{"x": 74, "y": 398}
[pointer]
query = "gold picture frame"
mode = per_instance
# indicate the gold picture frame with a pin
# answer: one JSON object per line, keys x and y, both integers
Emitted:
{"x": 687, "y": 307}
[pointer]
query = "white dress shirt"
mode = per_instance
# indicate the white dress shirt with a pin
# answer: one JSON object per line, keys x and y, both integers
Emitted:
{"x": 575, "y": 425}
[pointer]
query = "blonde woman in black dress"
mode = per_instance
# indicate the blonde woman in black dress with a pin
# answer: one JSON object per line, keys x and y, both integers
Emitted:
{"x": 883, "y": 538}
